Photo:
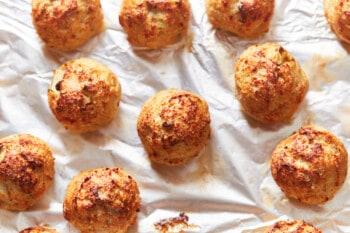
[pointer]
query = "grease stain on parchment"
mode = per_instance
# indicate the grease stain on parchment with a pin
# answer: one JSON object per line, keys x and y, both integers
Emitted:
{"x": 344, "y": 116}
{"x": 317, "y": 72}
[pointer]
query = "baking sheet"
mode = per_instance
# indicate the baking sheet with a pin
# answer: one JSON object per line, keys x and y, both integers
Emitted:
{"x": 229, "y": 187}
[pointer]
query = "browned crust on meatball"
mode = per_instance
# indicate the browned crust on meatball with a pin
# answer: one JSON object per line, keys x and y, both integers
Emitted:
{"x": 65, "y": 25}
{"x": 26, "y": 171}
{"x": 103, "y": 199}
{"x": 174, "y": 126}
{"x": 84, "y": 95}
{"x": 155, "y": 23}
{"x": 310, "y": 165}
{"x": 337, "y": 13}
{"x": 245, "y": 18}
{"x": 38, "y": 230}
{"x": 292, "y": 226}
{"x": 270, "y": 83}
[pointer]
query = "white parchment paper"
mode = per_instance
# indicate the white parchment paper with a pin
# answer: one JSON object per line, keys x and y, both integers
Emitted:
{"x": 229, "y": 187}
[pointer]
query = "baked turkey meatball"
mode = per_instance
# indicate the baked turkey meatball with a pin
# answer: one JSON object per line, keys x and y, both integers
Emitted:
{"x": 310, "y": 165}
{"x": 292, "y": 226}
{"x": 244, "y": 18}
{"x": 270, "y": 84}
{"x": 84, "y": 95}
{"x": 174, "y": 126}
{"x": 26, "y": 171}
{"x": 67, "y": 24}
{"x": 155, "y": 23}
{"x": 337, "y": 13}
{"x": 102, "y": 200}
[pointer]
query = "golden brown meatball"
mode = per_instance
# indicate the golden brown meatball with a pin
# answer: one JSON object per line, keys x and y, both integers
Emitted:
{"x": 292, "y": 226}
{"x": 66, "y": 24}
{"x": 38, "y": 230}
{"x": 26, "y": 171}
{"x": 155, "y": 23}
{"x": 310, "y": 165}
{"x": 84, "y": 95}
{"x": 270, "y": 84}
{"x": 337, "y": 13}
{"x": 102, "y": 200}
{"x": 245, "y": 18}
{"x": 174, "y": 126}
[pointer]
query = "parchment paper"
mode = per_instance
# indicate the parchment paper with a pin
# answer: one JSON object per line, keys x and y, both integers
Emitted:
{"x": 229, "y": 187}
